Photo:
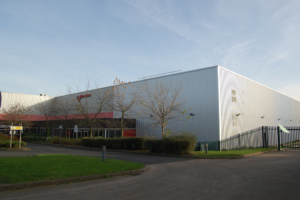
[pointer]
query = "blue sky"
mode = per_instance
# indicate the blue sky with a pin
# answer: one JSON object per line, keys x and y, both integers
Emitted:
{"x": 45, "y": 45}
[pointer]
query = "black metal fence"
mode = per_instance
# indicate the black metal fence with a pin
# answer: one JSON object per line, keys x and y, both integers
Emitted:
{"x": 266, "y": 136}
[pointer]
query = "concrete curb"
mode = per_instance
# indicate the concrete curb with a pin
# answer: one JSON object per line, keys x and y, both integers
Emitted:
{"x": 156, "y": 154}
{"x": 69, "y": 180}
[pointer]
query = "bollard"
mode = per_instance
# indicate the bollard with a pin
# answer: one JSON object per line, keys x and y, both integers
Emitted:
{"x": 278, "y": 137}
{"x": 206, "y": 148}
{"x": 103, "y": 153}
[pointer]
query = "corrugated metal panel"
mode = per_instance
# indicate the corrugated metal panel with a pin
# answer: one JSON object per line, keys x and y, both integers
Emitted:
{"x": 27, "y": 100}
{"x": 200, "y": 94}
{"x": 253, "y": 101}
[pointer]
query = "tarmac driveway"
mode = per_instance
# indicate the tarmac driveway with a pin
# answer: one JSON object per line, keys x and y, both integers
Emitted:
{"x": 267, "y": 176}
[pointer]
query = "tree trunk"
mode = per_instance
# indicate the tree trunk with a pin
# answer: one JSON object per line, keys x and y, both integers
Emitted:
{"x": 66, "y": 128}
{"x": 122, "y": 124}
{"x": 47, "y": 127}
{"x": 91, "y": 131}
{"x": 163, "y": 127}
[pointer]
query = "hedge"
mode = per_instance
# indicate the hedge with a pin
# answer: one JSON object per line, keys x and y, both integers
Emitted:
{"x": 6, "y": 144}
{"x": 168, "y": 146}
{"x": 125, "y": 143}
{"x": 177, "y": 143}
{"x": 154, "y": 145}
{"x": 179, "y": 146}
{"x": 33, "y": 138}
{"x": 66, "y": 141}
{"x": 4, "y": 137}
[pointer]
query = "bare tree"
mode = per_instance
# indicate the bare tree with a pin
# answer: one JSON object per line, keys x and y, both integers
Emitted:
{"x": 65, "y": 109}
{"x": 17, "y": 114}
{"x": 47, "y": 109}
{"x": 161, "y": 103}
{"x": 123, "y": 99}
{"x": 92, "y": 103}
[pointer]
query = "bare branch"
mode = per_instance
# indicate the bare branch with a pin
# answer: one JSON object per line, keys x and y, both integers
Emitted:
{"x": 161, "y": 103}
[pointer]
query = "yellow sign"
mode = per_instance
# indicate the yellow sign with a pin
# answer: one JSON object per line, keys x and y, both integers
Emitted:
{"x": 16, "y": 128}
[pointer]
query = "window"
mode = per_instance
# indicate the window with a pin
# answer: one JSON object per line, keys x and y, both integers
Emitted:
{"x": 233, "y": 92}
{"x": 234, "y": 99}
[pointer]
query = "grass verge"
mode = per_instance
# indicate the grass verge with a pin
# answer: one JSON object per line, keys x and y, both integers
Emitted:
{"x": 50, "y": 166}
{"x": 230, "y": 153}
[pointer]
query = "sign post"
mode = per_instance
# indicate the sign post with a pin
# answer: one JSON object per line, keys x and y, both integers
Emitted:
{"x": 12, "y": 130}
{"x": 21, "y": 131}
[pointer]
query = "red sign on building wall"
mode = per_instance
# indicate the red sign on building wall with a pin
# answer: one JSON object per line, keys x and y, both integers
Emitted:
{"x": 129, "y": 133}
{"x": 83, "y": 96}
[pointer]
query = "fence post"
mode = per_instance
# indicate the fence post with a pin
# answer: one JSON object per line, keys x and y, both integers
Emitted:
{"x": 239, "y": 136}
{"x": 267, "y": 136}
{"x": 263, "y": 137}
{"x": 278, "y": 133}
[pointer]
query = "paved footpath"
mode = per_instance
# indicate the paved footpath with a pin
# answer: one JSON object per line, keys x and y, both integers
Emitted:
{"x": 268, "y": 176}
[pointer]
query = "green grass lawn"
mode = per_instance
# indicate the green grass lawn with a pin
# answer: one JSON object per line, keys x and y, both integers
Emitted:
{"x": 48, "y": 167}
{"x": 229, "y": 153}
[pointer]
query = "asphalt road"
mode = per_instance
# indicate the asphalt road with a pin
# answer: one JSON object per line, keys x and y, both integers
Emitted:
{"x": 267, "y": 176}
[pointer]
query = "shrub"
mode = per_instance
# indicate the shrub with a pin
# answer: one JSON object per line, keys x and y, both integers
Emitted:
{"x": 126, "y": 143}
{"x": 65, "y": 141}
{"x": 154, "y": 145}
{"x": 130, "y": 143}
{"x": 176, "y": 146}
{"x": 4, "y": 137}
{"x": 184, "y": 135}
{"x": 34, "y": 138}
{"x": 93, "y": 142}
{"x": 15, "y": 144}
{"x": 4, "y": 143}
{"x": 177, "y": 143}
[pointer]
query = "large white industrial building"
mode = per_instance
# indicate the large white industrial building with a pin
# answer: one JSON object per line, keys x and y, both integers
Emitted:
{"x": 222, "y": 104}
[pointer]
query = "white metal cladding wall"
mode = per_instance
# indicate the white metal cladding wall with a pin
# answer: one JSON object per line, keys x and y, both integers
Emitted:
{"x": 200, "y": 94}
{"x": 27, "y": 100}
{"x": 253, "y": 101}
